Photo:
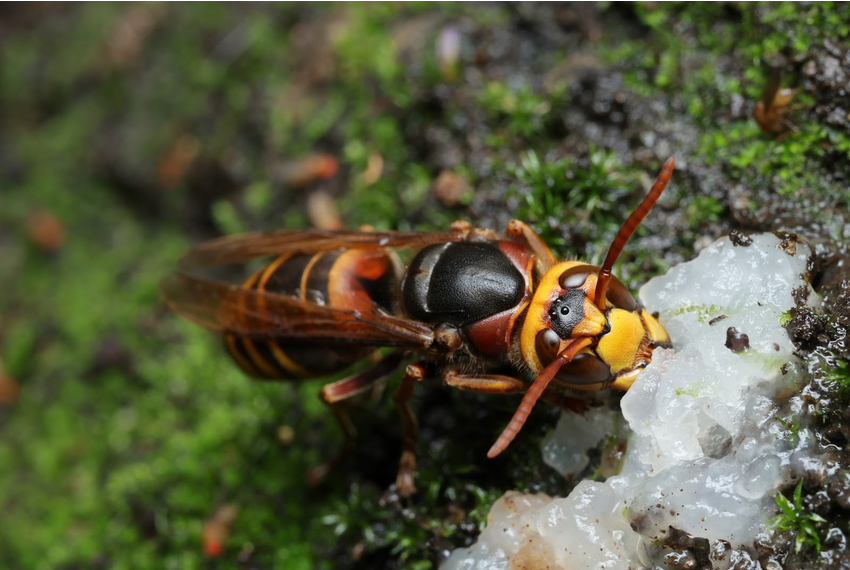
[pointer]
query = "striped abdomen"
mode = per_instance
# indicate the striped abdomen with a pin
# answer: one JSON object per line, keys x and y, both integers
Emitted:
{"x": 343, "y": 279}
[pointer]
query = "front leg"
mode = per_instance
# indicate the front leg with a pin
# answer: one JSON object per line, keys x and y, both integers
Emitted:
{"x": 500, "y": 384}
{"x": 484, "y": 383}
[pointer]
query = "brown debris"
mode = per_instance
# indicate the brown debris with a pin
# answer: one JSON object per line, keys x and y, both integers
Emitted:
{"x": 46, "y": 231}
{"x": 789, "y": 242}
{"x": 10, "y": 390}
{"x": 374, "y": 169}
{"x": 305, "y": 171}
{"x": 716, "y": 320}
{"x": 285, "y": 435}
{"x": 323, "y": 211}
{"x": 217, "y": 529}
{"x": 130, "y": 33}
{"x": 740, "y": 239}
{"x": 736, "y": 341}
{"x": 177, "y": 160}
{"x": 450, "y": 188}
{"x": 770, "y": 110}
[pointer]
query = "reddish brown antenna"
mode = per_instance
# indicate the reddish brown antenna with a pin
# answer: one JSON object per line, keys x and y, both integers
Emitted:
{"x": 629, "y": 227}
{"x": 533, "y": 393}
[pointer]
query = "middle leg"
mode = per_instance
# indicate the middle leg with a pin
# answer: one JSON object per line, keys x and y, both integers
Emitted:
{"x": 486, "y": 383}
{"x": 334, "y": 394}
{"x": 410, "y": 429}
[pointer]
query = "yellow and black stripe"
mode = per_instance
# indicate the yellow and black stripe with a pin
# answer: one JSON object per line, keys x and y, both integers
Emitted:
{"x": 343, "y": 279}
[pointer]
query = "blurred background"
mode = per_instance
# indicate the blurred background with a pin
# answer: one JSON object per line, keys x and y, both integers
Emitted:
{"x": 131, "y": 132}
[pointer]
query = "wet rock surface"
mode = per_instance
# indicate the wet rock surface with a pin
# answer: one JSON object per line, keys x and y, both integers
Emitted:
{"x": 828, "y": 77}
{"x": 601, "y": 94}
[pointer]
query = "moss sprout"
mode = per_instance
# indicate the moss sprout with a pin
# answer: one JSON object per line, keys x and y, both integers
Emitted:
{"x": 796, "y": 518}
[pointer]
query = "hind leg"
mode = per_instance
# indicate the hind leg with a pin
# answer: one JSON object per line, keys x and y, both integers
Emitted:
{"x": 336, "y": 393}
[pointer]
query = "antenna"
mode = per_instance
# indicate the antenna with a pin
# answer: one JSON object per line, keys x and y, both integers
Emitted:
{"x": 629, "y": 227}
{"x": 533, "y": 394}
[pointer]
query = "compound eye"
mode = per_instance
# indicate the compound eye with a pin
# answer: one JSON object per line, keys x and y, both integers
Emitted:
{"x": 619, "y": 295}
{"x": 583, "y": 370}
{"x": 574, "y": 277}
{"x": 547, "y": 344}
{"x": 566, "y": 312}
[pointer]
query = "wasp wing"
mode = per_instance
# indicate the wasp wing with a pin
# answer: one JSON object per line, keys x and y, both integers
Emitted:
{"x": 245, "y": 247}
{"x": 222, "y": 307}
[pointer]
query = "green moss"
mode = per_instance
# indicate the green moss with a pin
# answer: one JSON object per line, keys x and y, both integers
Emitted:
{"x": 227, "y": 219}
{"x": 690, "y": 68}
{"x": 571, "y": 190}
{"x": 795, "y": 517}
{"x": 703, "y": 210}
{"x": 520, "y": 111}
{"x": 704, "y": 313}
{"x": 800, "y": 26}
{"x": 790, "y": 166}
{"x": 837, "y": 376}
{"x": 792, "y": 430}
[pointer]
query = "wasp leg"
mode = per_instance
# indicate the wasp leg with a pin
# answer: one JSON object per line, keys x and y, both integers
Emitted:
{"x": 497, "y": 384}
{"x": 334, "y": 394}
{"x": 522, "y": 234}
{"x": 464, "y": 227}
{"x": 460, "y": 226}
{"x": 565, "y": 403}
{"x": 410, "y": 429}
{"x": 487, "y": 383}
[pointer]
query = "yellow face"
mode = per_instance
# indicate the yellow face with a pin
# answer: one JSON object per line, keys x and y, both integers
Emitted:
{"x": 563, "y": 308}
{"x": 618, "y": 349}
{"x": 569, "y": 312}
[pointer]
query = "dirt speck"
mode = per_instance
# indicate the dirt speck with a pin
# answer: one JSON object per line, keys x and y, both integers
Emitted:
{"x": 736, "y": 341}
{"x": 740, "y": 239}
{"x": 716, "y": 320}
{"x": 788, "y": 242}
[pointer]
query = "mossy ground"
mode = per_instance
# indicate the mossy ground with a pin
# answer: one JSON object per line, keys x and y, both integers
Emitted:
{"x": 133, "y": 426}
